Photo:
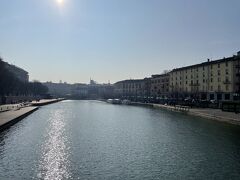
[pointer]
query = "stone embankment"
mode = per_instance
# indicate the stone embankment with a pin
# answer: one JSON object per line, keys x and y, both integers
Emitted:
{"x": 12, "y": 113}
{"x": 214, "y": 114}
{"x": 44, "y": 102}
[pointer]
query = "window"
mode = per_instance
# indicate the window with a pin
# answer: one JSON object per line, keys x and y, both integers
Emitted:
{"x": 218, "y": 65}
{"x": 211, "y": 88}
{"x": 211, "y": 79}
{"x": 226, "y": 64}
{"x": 219, "y": 96}
{"x": 203, "y": 80}
{"x": 211, "y": 96}
{"x": 219, "y": 79}
{"x": 211, "y": 66}
{"x": 227, "y": 96}
{"x": 186, "y": 77}
{"x": 203, "y": 68}
{"x": 219, "y": 72}
{"x": 186, "y": 82}
{"x": 219, "y": 88}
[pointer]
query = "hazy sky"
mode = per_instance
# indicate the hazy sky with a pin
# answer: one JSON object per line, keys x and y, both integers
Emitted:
{"x": 115, "y": 39}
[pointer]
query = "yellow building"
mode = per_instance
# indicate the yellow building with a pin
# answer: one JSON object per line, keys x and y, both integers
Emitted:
{"x": 211, "y": 80}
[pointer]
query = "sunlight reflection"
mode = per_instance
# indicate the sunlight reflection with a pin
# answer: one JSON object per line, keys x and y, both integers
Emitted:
{"x": 54, "y": 162}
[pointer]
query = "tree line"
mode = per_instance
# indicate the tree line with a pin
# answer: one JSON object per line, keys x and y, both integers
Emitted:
{"x": 11, "y": 85}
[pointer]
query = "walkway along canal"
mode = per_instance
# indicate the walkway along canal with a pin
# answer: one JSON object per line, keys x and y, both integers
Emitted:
{"x": 96, "y": 140}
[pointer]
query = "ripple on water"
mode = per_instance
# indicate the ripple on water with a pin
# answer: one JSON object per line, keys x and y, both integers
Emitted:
{"x": 54, "y": 161}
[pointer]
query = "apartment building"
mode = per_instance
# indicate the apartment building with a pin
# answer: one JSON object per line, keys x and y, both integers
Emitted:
{"x": 211, "y": 80}
{"x": 133, "y": 88}
{"x": 160, "y": 85}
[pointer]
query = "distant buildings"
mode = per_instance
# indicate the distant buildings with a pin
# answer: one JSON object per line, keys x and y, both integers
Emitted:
{"x": 80, "y": 90}
{"x": 20, "y": 73}
{"x": 132, "y": 87}
{"x": 212, "y": 80}
{"x": 58, "y": 89}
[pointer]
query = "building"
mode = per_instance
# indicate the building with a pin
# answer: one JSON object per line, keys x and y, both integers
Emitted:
{"x": 211, "y": 80}
{"x": 79, "y": 91}
{"x": 134, "y": 89}
{"x": 160, "y": 86}
{"x": 58, "y": 89}
{"x": 20, "y": 73}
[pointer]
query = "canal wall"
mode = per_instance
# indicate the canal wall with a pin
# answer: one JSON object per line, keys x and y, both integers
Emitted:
{"x": 44, "y": 102}
{"x": 9, "y": 118}
{"x": 141, "y": 104}
{"x": 208, "y": 113}
{"x": 11, "y": 114}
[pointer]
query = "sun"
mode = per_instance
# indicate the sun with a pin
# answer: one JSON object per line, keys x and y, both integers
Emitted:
{"x": 60, "y": 2}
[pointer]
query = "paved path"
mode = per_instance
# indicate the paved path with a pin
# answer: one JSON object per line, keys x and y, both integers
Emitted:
{"x": 215, "y": 114}
{"x": 9, "y": 107}
{"x": 8, "y": 116}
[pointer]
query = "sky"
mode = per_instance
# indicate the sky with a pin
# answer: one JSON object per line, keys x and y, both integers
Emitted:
{"x": 112, "y": 40}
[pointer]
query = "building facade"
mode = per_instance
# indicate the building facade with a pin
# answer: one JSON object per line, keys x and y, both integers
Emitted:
{"x": 211, "y": 80}
{"x": 160, "y": 86}
{"x": 129, "y": 88}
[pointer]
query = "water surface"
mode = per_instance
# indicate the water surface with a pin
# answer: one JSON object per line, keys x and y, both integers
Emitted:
{"x": 95, "y": 140}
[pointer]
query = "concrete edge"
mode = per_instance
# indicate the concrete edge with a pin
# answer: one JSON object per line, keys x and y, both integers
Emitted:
{"x": 17, "y": 119}
{"x": 202, "y": 115}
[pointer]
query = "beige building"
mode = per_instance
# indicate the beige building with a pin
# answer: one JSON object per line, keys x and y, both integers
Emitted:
{"x": 211, "y": 80}
{"x": 133, "y": 88}
{"x": 160, "y": 85}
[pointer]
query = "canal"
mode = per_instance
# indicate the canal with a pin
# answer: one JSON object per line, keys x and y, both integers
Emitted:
{"x": 96, "y": 140}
